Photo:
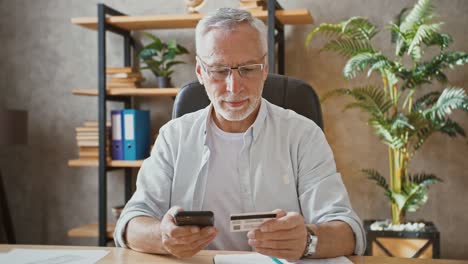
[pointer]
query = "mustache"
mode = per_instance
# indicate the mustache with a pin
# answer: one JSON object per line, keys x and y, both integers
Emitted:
{"x": 234, "y": 98}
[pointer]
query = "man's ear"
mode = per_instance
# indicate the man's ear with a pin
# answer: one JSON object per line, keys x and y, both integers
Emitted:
{"x": 199, "y": 73}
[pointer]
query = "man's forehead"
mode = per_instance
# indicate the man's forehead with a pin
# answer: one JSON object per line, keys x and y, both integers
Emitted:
{"x": 215, "y": 59}
{"x": 231, "y": 47}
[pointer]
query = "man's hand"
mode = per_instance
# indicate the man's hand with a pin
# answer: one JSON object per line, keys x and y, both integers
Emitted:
{"x": 284, "y": 237}
{"x": 183, "y": 241}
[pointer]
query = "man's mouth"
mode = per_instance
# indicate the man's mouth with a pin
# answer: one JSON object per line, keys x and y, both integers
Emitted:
{"x": 237, "y": 103}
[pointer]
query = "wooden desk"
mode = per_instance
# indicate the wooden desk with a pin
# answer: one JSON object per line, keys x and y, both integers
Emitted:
{"x": 121, "y": 255}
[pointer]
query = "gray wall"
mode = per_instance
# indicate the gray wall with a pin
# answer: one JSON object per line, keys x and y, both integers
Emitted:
{"x": 44, "y": 57}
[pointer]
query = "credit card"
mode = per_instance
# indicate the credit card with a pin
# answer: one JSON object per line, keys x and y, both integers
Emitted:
{"x": 248, "y": 221}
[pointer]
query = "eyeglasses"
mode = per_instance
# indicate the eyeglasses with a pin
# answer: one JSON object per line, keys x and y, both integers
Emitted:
{"x": 220, "y": 73}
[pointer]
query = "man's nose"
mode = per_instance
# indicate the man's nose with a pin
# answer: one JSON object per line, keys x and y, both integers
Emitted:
{"x": 234, "y": 82}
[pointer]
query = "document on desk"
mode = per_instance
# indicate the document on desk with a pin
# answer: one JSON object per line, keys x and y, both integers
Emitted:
{"x": 46, "y": 256}
{"x": 256, "y": 258}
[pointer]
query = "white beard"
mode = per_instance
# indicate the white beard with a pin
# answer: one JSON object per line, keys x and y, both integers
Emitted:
{"x": 235, "y": 114}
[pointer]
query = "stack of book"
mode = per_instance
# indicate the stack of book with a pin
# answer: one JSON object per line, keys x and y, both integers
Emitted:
{"x": 124, "y": 77}
{"x": 252, "y": 5}
{"x": 87, "y": 139}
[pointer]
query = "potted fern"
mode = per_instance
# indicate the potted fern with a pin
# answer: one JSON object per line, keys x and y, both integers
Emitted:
{"x": 159, "y": 57}
{"x": 401, "y": 111}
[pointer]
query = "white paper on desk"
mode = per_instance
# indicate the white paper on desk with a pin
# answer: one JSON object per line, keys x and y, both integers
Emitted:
{"x": 47, "y": 256}
{"x": 256, "y": 258}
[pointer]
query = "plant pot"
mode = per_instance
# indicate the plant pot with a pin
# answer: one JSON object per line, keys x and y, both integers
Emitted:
{"x": 424, "y": 243}
{"x": 164, "y": 82}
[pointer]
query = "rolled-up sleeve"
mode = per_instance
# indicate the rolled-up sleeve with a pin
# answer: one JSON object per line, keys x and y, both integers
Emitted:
{"x": 153, "y": 189}
{"x": 322, "y": 194}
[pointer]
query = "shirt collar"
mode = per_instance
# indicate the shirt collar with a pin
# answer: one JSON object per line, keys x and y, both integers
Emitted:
{"x": 254, "y": 129}
{"x": 260, "y": 120}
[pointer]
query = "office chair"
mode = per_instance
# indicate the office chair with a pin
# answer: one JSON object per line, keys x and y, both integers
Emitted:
{"x": 14, "y": 131}
{"x": 287, "y": 92}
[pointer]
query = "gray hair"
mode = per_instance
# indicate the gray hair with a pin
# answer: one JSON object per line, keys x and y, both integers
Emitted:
{"x": 228, "y": 19}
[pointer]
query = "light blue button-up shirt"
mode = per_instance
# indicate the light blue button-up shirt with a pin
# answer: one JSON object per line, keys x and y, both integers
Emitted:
{"x": 288, "y": 164}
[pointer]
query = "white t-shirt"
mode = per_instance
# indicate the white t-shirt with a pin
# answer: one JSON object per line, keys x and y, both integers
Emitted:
{"x": 223, "y": 187}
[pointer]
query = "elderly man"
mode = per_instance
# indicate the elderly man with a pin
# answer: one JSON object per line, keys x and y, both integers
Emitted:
{"x": 241, "y": 154}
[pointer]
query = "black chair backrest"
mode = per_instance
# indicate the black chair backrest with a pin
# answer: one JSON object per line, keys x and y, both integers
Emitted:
{"x": 287, "y": 92}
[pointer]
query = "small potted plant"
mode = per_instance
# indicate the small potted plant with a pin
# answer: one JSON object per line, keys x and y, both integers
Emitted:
{"x": 401, "y": 114}
{"x": 159, "y": 57}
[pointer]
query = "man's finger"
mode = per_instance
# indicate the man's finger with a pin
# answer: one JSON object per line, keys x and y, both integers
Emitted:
{"x": 204, "y": 233}
{"x": 181, "y": 231}
{"x": 200, "y": 244}
{"x": 196, "y": 247}
{"x": 168, "y": 223}
{"x": 173, "y": 210}
{"x": 279, "y": 213}
{"x": 289, "y": 221}
{"x": 278, "y": 235}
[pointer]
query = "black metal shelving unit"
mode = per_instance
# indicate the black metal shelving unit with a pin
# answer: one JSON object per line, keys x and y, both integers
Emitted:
{"x": 103, "y": 27}
{"x": 275, "y": 37}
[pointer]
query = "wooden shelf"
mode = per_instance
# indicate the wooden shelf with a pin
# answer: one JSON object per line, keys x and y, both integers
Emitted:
{"x": 287, "y": 17}
{"x": 130, "y": 92}
{"x": 90, "y": 231}
{"x": 111, "y": 163}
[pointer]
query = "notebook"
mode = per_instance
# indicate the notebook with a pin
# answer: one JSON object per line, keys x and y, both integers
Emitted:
{"x": 256, "y": 258}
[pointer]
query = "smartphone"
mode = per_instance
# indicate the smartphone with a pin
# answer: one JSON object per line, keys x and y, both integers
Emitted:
{"x": 195, "y": 218}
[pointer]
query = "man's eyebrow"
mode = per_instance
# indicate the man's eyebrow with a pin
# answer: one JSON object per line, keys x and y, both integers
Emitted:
{"x": 218, "y": 64}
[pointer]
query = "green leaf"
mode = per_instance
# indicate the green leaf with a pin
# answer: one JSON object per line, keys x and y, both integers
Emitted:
{"x": 374, "y": 99}
{"x": 360, "y": 62}
{"x": 146, "y": 54}
{"x": 159, "y": 56}
{"x": 451, "y": 98}
{"x": 370, "y": 99}
{"x": 347, "y": 47}
{"x": 172, "y": 45}
{"x": 415, "y": 190}
{"x": 400, "y": 200}
{"x": 400, "y": 121}
{"x": 421, "y": 13}
{"x": 380, "y": 65}
{"x": 395, "y": 27}
{"x": 423, "y": 34}
{"x": 350, "y": 35}
{"x": 422, "y": 135}
{"x": 451, "y": 128}
{"x": 329, "y": 30}
{"x": 425, "y": 101}
{"x": 169, "y": 55}
{"x": 359, "y": 28}
{"x": 452, "y": 59}
{"x": 416, "y": 198}
{"x": 423, "y": 179}
{"x": 416, "y": 53}
{"x": 158, "y": 46}
{"x": 152, "y": 37}
{"x": 333, "y": 93}
{"x": 390, "y": 76}
{"x": 379, "y": 180}
{"x": 442, "y": 40}
{"x": 383, "y": 129}
{"x": 182, "y": 49}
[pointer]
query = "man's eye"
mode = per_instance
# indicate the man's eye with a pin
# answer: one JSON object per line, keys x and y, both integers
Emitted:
{"x": 220, "y": 71}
